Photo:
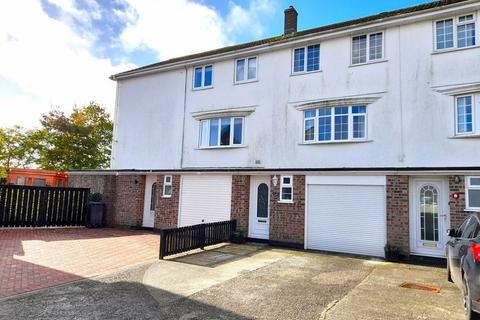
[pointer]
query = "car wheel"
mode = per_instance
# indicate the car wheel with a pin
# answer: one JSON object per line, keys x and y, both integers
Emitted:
{"x": 467, "y": 302}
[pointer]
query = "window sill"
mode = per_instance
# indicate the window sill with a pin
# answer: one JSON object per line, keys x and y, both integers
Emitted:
{"x": 166, "y": 197}
{"x": 334, "y": 142}
{"x": 293, "y": 74}
{"x": 245, "y": 82}
{"x": 222, "y": 147}
{"x": 367, "y": 63}
{"x": 454, "y": 49}
{"x": 202, "y": 88}
{"x": 472, "y": 210}
{"x": 286, "y": 201}
{"x": 465, "y": 136}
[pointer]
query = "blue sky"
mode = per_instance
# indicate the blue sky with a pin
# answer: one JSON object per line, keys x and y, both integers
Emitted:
{"x": 59, "y": 53}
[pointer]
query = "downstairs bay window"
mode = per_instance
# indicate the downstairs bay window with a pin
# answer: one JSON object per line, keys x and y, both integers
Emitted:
{"x": 221, "y": 132}
{"x": 330, "y": 124}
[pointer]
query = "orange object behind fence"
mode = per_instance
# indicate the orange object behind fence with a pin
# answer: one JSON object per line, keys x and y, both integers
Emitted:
{"x": 34, "y": 177}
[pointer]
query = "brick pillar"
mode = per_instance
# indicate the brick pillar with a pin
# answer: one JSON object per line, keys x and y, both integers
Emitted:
{"x": 287, "y": 220}
{"x": 457, "y": 207}
{"x": 241, "y": 200}
{"x": 166, "y": 210}
{"x": 398, "y": 232}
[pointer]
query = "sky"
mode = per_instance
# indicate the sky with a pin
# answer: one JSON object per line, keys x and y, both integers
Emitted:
{"x": 58, "y": 54}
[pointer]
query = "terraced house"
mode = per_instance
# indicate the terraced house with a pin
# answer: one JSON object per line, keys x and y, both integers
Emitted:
{"x": 339, "y": 138}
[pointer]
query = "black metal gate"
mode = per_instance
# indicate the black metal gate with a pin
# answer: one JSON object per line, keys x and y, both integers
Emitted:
{"x": 25, "y": 206}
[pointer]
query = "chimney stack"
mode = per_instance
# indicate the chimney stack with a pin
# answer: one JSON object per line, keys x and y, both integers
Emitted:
{"x": 290, "y": 26}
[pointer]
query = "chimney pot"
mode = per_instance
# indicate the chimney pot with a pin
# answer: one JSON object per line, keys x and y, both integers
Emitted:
{"x": 290, "y": 26}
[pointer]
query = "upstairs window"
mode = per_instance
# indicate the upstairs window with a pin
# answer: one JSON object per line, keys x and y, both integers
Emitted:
{"x": 456, "y": 32}
{"x": 343, "y": 123}
{"x": 472, "y": 193}
{"x": 306, "y": 59}
{"x": 203, "y": 77}
{"x": 246, "y": 70}
{"x": 464, "y": 112}
{"x": 367, "y": 47}
{"x": 221, "y": 132}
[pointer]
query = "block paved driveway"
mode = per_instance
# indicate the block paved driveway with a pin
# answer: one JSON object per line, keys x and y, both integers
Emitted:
{"x": 32, "y": 259}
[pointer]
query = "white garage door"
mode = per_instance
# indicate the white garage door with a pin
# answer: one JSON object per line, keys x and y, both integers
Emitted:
{"x": 205, "y": 199}
{"x": 346, "y": 218}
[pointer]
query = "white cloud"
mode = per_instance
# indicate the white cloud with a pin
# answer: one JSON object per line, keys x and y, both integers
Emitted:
{"x": 50, "y": 62}
{"x": 175, "y": 28}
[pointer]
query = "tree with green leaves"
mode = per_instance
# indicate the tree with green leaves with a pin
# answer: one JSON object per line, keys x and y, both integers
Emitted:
{"x": 18, "y": 147}
{"x": 80, "y": 141}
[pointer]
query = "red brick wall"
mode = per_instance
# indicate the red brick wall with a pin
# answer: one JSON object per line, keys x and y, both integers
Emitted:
{"x": 166, "y": 210}
{"x": 457, "y": 207}
{"x": 398, "y": 233}
{"x": 130, "y": 192}
{"x": 241, "y": 200}
{"x": 287, "y": 220}
{"x": 123, "y": 197}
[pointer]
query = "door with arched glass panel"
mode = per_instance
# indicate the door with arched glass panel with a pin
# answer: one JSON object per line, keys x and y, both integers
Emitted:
{"x": 259, "y": 217}
{"x": 149, "y": 201}
{"x": 430, "y": 217}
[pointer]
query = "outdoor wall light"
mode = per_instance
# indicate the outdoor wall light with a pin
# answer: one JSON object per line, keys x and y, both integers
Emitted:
{"x": 457, "y": 179}
{"x": 275, "y": 180}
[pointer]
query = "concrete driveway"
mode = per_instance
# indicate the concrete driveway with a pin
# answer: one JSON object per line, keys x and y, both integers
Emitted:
{"x": 248, "y": 282}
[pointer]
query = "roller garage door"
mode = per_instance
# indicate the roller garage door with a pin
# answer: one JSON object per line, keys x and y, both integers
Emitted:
{"x": 204, "y": 199}
{"x": 346, "y": 215}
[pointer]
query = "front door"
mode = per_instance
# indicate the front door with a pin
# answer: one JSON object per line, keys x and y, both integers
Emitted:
{"x": 150, "y": 201}
{"x": 259, "y": 217}
{"x": 429, "y": 216}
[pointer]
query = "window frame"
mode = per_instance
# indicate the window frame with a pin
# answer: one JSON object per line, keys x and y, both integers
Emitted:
{"x": 456, "y": 24}
{"x": 203, "y": 86}
{"x": 460, "y": 134}
{"x": 368, "y": 61}
{"x": 286, "y": 185}
{"x": 167, "y": 184}
{"x": 305, "y": 59}
{"x": 332, "y": 115}
{"x": 245, "y": 70}
{"x": 232, "y": 129}
{"x": 469, "y": 187}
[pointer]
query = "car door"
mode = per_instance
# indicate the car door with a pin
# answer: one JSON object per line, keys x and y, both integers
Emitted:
{"x": 457, "y": 247}
{"x": 463, "y": 243}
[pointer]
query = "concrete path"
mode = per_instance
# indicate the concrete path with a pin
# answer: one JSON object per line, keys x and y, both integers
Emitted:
{"x": 249, "y": 282}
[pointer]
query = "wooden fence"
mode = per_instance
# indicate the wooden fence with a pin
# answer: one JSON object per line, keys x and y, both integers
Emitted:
{"x": 177, "y": 240}
{"x": 25, "y": 206}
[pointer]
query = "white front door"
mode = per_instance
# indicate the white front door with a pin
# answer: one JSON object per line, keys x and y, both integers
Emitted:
{"x": 429, "y": 216}
{"x": 149, "y": 203}
{"x": 259, "y": 217}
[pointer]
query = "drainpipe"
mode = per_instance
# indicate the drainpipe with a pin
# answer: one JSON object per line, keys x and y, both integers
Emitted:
{"x": 184, "y": 114}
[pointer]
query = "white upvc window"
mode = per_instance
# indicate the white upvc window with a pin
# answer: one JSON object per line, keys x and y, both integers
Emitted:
{"x": 464, "y": 115}
{"x": 456, "y": 32}
{"x": 221, "y": 132}
{"x": 472, "y": 193}
{"x": 286, "y": 189}
{"x": 367, "y": 48}
{"x": 167, "y": 186}
{"x": 306, "y": 59}
{"x": 246, "y": 69}
{"x": 330, "y": 124}
{"x": 203, "y": 77}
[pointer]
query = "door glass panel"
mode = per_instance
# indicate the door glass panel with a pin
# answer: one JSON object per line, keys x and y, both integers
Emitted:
{"x": 429, "y": 213}
{"x": 153, "y": 197}
{"x": 262, "y": 201}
